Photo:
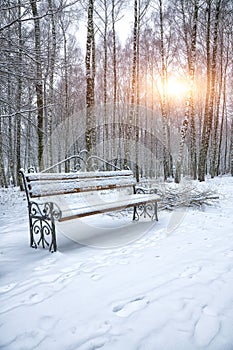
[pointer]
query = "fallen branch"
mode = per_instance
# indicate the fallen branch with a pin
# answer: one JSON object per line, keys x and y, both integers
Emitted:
{"x": 185, "y": 196}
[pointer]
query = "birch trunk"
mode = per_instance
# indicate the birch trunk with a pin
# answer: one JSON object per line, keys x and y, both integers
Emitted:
{"x": 90, "y": 81}
{"x": 106, "y": 124}
{"x": 114, "y": 150}
{"x": 129, "y": 129}
{"x": 231, "y": 148}
{"x": 51, "y": 82}
{"x": 66, "y": 93}
{"x": 189, "y": 109}
{"x": 163, "y": 95}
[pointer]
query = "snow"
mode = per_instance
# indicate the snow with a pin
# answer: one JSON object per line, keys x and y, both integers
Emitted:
{"x": 77, "y": 175}
{"x": 40, "y": 184}
{"x": 100, "y": 205}
{"x": 167, "y": 287}
{"x": 43, "y": 188}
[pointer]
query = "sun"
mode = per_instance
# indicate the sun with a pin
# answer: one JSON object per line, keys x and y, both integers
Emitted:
{"x": 175, "y": 87}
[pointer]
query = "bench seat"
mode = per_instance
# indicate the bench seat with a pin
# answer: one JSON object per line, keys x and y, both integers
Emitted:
{"x": 103, "y": 207}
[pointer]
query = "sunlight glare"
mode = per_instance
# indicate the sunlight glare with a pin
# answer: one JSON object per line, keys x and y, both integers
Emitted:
{"x": 175, "y": 87}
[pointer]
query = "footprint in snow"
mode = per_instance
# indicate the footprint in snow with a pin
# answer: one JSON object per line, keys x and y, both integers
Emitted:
{"x": 88, "y": 268}
{"x": 229, "y": 254}
{"x": 93, "y": 344}
{"x": 74, "y": 268}
{"x": 123, "y": 262}
{"x": 47, "y": 323}
{"x": 95, "y": 277}
{"x": 7, "y": 288}
{"x": 206, "y": 329}
{"x": 96, "y": 340}
{"x": 190, "y": 271}
{"x": 126, "y": 309}
{"x": 45, "y": 265}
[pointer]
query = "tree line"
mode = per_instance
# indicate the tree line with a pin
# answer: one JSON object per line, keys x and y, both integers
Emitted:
{"x": 158, "y": 101}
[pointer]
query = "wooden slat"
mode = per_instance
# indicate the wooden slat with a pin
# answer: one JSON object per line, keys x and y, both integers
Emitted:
{"x": 58, "y": 187}
{"x": 79, "y": 175}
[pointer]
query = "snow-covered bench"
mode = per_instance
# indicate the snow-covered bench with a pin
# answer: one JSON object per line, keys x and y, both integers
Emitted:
{"x": 66, "y": 196}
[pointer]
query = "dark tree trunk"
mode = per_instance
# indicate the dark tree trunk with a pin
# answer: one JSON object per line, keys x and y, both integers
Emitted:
{"x": 216, "y": 140}
{"x": 209, "y": 107}
{"x": 39, "y": 83}
{"x": 51, "y": 81}
{"x": 18, "y": 103}
{"x": 3, "y": 181}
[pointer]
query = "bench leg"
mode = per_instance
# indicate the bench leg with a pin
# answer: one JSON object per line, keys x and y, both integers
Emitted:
{"x": 53, "y": 246}
{"x": 135, "y": 214}
{"x": 147, "y": 209}
{"x": 42, "y": 226}
{"x": 156, "y": 211}
{"x": 40, "y": 230}
{"x": 32, "y": 240}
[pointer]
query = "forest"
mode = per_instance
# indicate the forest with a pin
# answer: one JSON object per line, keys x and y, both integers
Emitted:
{"x": 145, "y": 84}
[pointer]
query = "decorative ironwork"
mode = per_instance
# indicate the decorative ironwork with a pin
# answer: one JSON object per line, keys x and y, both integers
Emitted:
{"x": 143, "y": 190}
{"x": 85, "y": 162}
{"x": 42, "y": 225}
{"x": 96, "y": 163}
{"x": 47, "y": 210}
{"x": 146, "y": 209}
{"x": 41, "y": 221}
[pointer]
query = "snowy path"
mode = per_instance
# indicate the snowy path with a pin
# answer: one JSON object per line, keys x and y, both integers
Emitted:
{"x": 161, "y": 292}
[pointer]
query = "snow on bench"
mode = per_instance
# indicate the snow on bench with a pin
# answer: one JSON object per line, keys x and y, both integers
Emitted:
{"x": 68, "y": 196}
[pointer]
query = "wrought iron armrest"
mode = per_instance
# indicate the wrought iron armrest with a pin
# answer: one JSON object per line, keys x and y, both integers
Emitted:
{"x": 146, "y": 209}
{"x": 144, "y": 190}
{"x": 46, "y": 210}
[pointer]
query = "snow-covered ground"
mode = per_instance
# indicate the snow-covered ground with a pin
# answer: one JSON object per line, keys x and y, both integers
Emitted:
{"x": 165, "y": 289}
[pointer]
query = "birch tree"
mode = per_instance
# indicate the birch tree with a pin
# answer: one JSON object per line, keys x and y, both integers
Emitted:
{"x": 189, "y": 109}
{"x": 52, "y": 60}
{"x": 90, "y": 79}
{"x": 231, "y": 148}
{"x": 163, "y": 93}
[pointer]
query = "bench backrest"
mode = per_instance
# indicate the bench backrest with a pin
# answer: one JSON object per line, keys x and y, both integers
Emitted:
{"x": 52, "y": 184}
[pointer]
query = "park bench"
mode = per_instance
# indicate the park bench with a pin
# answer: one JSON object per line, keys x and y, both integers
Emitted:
{"x": 67, "y": 196}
